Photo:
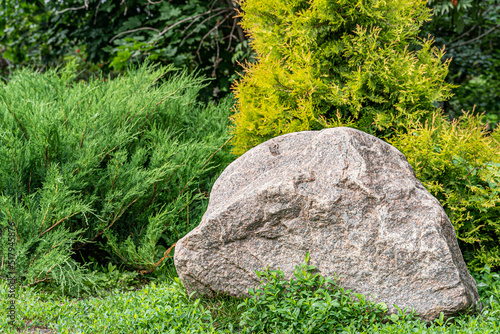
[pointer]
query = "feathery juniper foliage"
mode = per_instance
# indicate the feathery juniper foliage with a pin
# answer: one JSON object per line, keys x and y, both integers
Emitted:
{"x": 122, "y": 167}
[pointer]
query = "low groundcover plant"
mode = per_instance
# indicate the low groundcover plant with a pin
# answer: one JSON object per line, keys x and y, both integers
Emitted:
{"x": 308, "y": 303}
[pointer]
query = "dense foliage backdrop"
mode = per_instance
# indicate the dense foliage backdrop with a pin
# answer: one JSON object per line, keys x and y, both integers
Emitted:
{"x": 107, "y": 35}
{"x": 470, "y": 29}
{"x": 201, "y": 35}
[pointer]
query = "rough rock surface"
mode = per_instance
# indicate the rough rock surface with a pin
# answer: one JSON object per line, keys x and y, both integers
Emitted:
{"x": 348, "y": 198}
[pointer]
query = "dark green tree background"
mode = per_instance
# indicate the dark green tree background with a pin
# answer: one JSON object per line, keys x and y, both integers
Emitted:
{"x": 205, "y": 36}
{"x": 470, "y": 29}
{"x": 107, "y": 35}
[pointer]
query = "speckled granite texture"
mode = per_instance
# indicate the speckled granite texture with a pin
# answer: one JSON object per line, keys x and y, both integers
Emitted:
{"x": 348, "y": 198}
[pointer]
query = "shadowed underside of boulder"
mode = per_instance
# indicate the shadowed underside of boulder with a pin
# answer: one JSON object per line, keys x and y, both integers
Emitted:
{"x": 348, "y": 198}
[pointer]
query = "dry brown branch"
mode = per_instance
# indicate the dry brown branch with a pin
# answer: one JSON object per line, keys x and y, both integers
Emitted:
{"x": 208, "y": 33}
{"x": 190, "y": 18}
{"x": 96, "y": 10}
{"x": 132, "y": 30}
{"x": 199, "y": 25}
{"x": 85, "y": 6}
{"x": 235, "y": 21}
{"x": 60, "y": 221}
{"x": 465, "y": 33}
{"x": 477, "y": 38}
{"x": 165, "y": 255}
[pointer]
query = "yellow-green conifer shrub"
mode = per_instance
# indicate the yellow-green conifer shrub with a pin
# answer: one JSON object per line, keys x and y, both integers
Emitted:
{"x": 326, "y": 63}
{"x": 459, "y": 163}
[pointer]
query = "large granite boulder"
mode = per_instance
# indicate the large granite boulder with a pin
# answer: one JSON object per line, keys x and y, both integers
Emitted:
{"x": 348, "y": 198}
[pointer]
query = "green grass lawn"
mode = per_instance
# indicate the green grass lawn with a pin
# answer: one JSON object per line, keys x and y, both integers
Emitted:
{"x": 159, "y": 304}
